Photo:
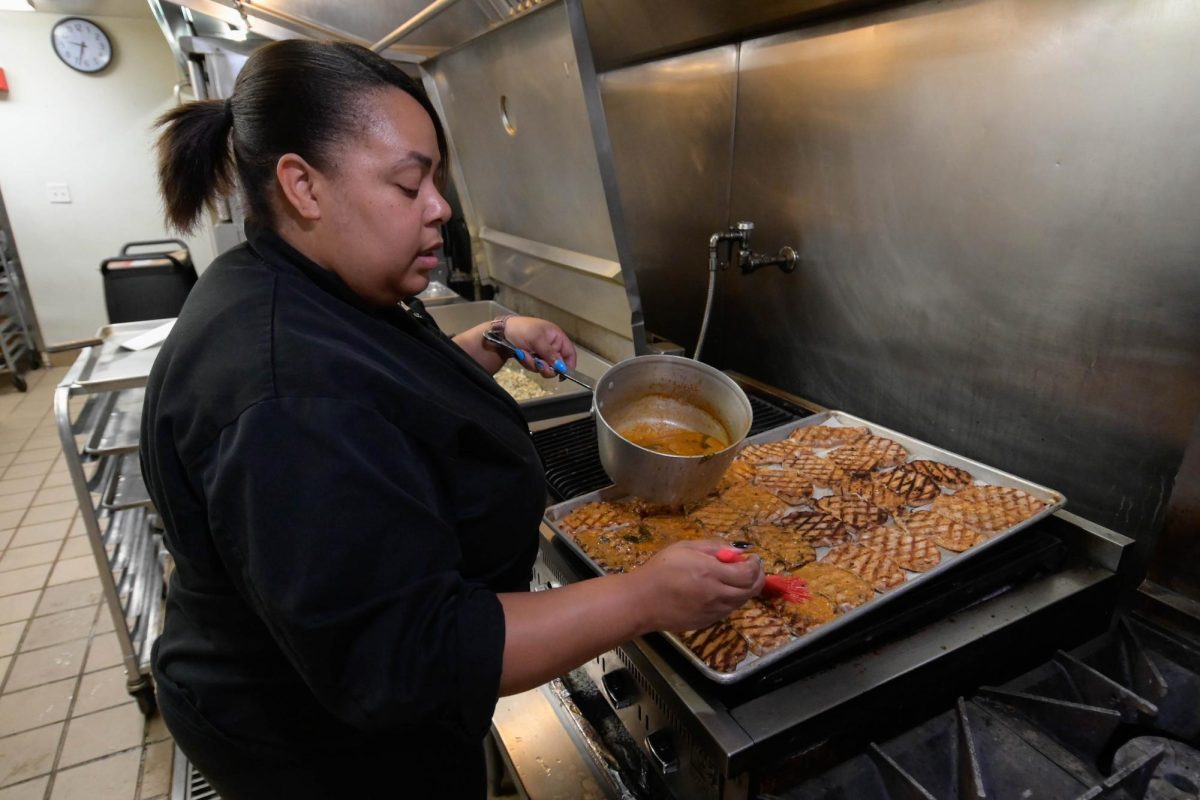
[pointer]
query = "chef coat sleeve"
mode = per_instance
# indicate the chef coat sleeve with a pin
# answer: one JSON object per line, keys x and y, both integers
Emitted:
{"x": 332, "y": 522}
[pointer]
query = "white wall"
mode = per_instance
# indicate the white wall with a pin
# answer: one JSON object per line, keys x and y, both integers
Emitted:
{"x": 91, "y": 132}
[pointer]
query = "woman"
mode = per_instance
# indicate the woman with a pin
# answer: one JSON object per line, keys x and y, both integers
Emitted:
{"x": 350, "y": 499}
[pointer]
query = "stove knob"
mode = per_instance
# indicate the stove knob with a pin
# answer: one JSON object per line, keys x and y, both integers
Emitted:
{"x": 662, "y": 749}
{"x": 619, "y": 687}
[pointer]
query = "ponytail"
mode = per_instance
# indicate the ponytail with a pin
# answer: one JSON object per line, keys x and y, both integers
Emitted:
{"x": 194, "y": 161}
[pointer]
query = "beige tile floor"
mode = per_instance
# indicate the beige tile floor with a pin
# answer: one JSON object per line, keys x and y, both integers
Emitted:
{"x": 68, "y": 729}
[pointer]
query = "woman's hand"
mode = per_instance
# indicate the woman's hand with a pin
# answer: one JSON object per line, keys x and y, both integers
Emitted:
{"x": 686, "y": 588}
{"x": 538, "y": 337}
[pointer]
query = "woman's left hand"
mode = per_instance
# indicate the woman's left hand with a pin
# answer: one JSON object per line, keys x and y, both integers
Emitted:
{"x": 541, "y": 338}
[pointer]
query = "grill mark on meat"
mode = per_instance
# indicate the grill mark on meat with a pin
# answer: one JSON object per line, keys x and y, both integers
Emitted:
{"x": 827, "y": 435}
{"x": 941, "y": 474}
{"x": 598, "y": 515}
{"x": 719, "y": 646}
{"x": 915, "y": 487}
{"x": 762, "y": 629}
{"x": 842, "y": 588}
{"x": 854, "y": 511}
{"x": 821, "y": 471}
{"x": 867, "y": 563}
{"x": 789, "y": 485}
{"x": 773, "y": 452}
{"x": 909, "y": 550}
{"x": 816, "y": 527}
{"x": 946, "y": 532}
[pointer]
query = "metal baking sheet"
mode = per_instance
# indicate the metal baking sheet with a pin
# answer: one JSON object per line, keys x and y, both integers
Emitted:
{"x": 110, "y": 367}
{"x": 917, "y": 449}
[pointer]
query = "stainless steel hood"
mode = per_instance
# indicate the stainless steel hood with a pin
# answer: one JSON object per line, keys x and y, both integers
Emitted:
{"x": 432, "y": 27}
{"x": 627, "y": 31}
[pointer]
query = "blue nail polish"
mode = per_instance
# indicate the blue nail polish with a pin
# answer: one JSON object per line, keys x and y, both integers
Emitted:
{"x": 560, "y": 365}
{"x": 520, "y": 353}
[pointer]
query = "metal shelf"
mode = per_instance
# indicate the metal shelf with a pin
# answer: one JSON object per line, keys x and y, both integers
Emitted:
{"x": 124, "y": 487}
{"x": 100, "y": 443}
{"x": 120, "y": 427}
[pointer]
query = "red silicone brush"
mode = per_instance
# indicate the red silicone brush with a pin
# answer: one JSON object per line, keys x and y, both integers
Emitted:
{"x": 793, "y": 590}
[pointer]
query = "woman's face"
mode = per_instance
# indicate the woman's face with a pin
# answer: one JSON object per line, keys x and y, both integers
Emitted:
{"x": 384, "y": 221}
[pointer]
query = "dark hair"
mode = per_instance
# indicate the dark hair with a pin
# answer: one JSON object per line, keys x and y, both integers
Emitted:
{"x": 292, "y": 96}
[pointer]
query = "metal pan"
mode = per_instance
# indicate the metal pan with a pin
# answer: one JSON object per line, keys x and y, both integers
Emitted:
{"x": 917, "y": 450}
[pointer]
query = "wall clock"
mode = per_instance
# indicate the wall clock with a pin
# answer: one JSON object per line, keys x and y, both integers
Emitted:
{"x": 81, "y": 44}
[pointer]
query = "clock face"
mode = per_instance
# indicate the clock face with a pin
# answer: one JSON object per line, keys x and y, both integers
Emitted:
{"x": 81, "y": 44}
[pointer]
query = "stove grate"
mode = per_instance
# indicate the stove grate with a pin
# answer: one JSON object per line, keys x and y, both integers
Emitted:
{"x": 571, "y": 457}
{"x": 1119, "y": 717}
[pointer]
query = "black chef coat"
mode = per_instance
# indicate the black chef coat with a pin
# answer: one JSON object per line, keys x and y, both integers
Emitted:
{"x": 344, "y": 492}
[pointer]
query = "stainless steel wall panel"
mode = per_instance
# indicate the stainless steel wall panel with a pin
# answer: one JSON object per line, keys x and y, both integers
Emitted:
{"x": 542, "y": 183}
{"x": 522, "y": 139}
{"x": 626, "y": 31}
{"x": 670, "y": 124}
{"x": 995, "y": 207}
{"x": 994, "y": 204}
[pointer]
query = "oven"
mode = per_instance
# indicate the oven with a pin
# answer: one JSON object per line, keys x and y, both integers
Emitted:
{"x": 1030, "y": 671}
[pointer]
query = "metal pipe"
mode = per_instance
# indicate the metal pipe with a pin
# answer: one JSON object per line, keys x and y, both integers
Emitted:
{"x": 712, "y": 285}
{"x": 738, "y": 234}
{"x": 417, "y": 20}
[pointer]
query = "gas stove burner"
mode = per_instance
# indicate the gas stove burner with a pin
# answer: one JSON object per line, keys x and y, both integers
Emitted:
{"x": 1046, "y": 733}
{"x": 1177, "y": 776}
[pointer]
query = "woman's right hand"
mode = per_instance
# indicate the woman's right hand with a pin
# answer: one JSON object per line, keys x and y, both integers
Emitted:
{"x": 686, "y": 588}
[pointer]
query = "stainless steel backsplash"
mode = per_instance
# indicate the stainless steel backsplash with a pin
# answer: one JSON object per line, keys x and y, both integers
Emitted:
{"x": 997, "y": 209}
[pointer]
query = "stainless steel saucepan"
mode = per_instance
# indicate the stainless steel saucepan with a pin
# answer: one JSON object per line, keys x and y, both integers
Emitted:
{"x": 667, "y": 391}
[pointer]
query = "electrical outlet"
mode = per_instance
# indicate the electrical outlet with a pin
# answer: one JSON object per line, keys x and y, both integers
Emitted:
{"x": 59, "y": 192}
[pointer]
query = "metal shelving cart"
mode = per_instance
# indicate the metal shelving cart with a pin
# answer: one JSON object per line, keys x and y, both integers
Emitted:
{"x": 18, "y": 350}
{"x": 98, "y": 408}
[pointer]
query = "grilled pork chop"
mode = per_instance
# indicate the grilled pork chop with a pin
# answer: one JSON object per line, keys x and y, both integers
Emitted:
{"x": 852, "y": 510}
{"x": 891, "y": 454}
{"x": 816, "y": 527}
{"x": 755, "y": 502}
{"x": 827, "y": 435}
{"x": 946, "y": 532}
{"x": 942, "y": 474}
{"x": 605, "y": 546}
{"x": 873, "y": 492}
{"x": 1005, "y": 506}
{"x": 670, "y": 529}
{"x": 760, "y": 626}
{"x": 842, "y": 588}
{"x": 721, "y": 520}
{"x": 915, "y": 487}
{"x": 909, "y": 550}
{"x": 718, "y": 645}
{"x": 821, "y": 471}
{"x": 788, "y": 484}
{"x": 854, "y": 461}
{"x": 598, "y": 515}
{"x": 738, "y": 472}
{"x": 867, "y": 563}
{"x": 781, "y": 549}
{"x": 804, "y": 616}
{"x": 773, "y": 452}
